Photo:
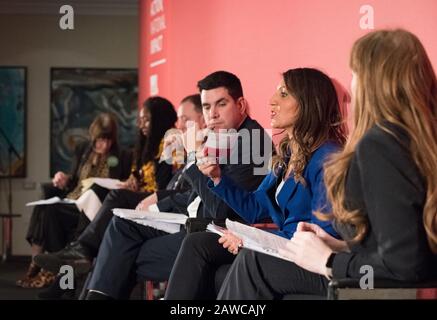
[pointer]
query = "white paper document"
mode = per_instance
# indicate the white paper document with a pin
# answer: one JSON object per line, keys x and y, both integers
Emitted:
{"x": 165, "y": 221}
{"x": 50, "y": 201}
{"x": 89, "y": 203}
{"x": 253, "y": 238}
{"x": 215, "y": 228}
{"x": 107, "y": 183}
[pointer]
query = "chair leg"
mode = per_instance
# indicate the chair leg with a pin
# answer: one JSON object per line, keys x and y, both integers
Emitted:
{"x": 152, "y": 290}
{"x": 84, "y": 291}
{"x": 162, "y": 288}
{"x": 148, "y": 284}
{"x": 332, "y": 291}
{"x": 426, "y": 293}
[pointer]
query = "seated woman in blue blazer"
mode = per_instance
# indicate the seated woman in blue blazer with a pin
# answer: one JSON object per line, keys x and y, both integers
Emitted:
{"x": 382, "y": 186}
{"x": 306, "y": 107}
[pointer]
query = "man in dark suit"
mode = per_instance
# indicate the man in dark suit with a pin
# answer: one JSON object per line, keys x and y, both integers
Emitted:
{"x": 130, "y": 250}
{"x": 80, "y": 252}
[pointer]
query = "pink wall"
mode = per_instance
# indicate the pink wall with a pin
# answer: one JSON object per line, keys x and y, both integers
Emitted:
{"x": 257, "y": 40}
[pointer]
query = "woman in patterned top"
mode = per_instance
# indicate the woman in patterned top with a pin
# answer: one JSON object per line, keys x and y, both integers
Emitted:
{"x": 148, "y": 174}
{"x": 52, "y": 226}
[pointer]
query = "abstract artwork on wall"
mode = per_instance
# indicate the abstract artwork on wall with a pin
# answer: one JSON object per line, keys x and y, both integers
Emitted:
{"x": 13, "y": 121}
{"x": 78, "y": 95}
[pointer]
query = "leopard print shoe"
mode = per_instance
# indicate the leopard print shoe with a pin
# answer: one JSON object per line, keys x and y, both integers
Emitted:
{"x": 31, "y": 272}
{"x": 41, "y": 280}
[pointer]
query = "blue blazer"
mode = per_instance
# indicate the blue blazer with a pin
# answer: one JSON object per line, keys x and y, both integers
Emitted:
{"x": 296, "y": 201}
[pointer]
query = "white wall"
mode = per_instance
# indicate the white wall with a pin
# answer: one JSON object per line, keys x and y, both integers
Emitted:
{"x": 36, "y": 41}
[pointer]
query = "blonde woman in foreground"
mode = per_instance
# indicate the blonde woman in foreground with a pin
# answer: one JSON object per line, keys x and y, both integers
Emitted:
{"x": 382, "y": 186}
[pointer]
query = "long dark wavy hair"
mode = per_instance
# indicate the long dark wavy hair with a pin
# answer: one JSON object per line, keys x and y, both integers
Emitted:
{"x": 162, "y": 117}
{"x": 318, "y": 120}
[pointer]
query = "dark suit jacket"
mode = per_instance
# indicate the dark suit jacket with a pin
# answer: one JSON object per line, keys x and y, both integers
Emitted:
{"x": 211, "y": 205}
{"x": 177, "y": 184}
{"x": 296, "y": 201}
{"x": 175, "y": 197}
{"x": 384, "y": 183}
{"x": 163, "y": 173}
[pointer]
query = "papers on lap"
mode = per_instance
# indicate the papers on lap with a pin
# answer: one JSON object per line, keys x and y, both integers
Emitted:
{"x": 107, "y": 183}
{"x": 50, "y": 201}
{"x": 86, "y": 184}
{"x": 253, "y": 238}
{"x": 165, "y": 221}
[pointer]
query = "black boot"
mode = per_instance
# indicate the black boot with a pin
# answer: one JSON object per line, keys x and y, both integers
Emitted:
{"x": 94, "y": 295}
{"x": 74, "y": 255}
{"x": 55, "y": 292}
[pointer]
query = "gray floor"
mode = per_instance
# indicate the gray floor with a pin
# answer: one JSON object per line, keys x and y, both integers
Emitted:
{"x": 14, "y": 269}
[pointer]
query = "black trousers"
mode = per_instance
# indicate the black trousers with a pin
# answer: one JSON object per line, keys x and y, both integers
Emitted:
{"x": 130, "y": 251}
{"x": 92, "y": 236}
{"x": 255, "y": 276}
{"x": 194, "y": 272}
{"x": 53, "y": 226}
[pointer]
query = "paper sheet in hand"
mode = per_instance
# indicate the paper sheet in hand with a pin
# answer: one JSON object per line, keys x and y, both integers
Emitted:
{"x": 255, "y": 239}
{"x": 165, "y": 221}
{"x": 49, "y": 201}
{"x": 216, "y": 229}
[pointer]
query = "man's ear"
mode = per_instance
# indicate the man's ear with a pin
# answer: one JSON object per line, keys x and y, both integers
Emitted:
{"x": 242, "y": 105}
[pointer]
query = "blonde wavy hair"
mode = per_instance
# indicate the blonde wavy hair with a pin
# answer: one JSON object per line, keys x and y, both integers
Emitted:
{"x": 395, "y": 83}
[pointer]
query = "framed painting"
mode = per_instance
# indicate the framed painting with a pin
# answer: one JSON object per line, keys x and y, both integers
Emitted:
{"x": 13, "y": 121}
{"x": 78, "y": 95}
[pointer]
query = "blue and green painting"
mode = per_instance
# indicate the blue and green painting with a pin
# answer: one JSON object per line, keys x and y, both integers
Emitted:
{"x": 12, "y": 121}
{"x": 78, "y": 95}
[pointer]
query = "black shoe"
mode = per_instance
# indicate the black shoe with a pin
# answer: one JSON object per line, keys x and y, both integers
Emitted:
{"x": 55, "y": 292}
{"x": 74, "y": 255}
{"x": 94, "y": 295}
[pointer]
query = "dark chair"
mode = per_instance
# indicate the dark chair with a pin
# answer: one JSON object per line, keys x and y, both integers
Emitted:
{"x": 153, "y": 290}
{"x": 344, "y": 289}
